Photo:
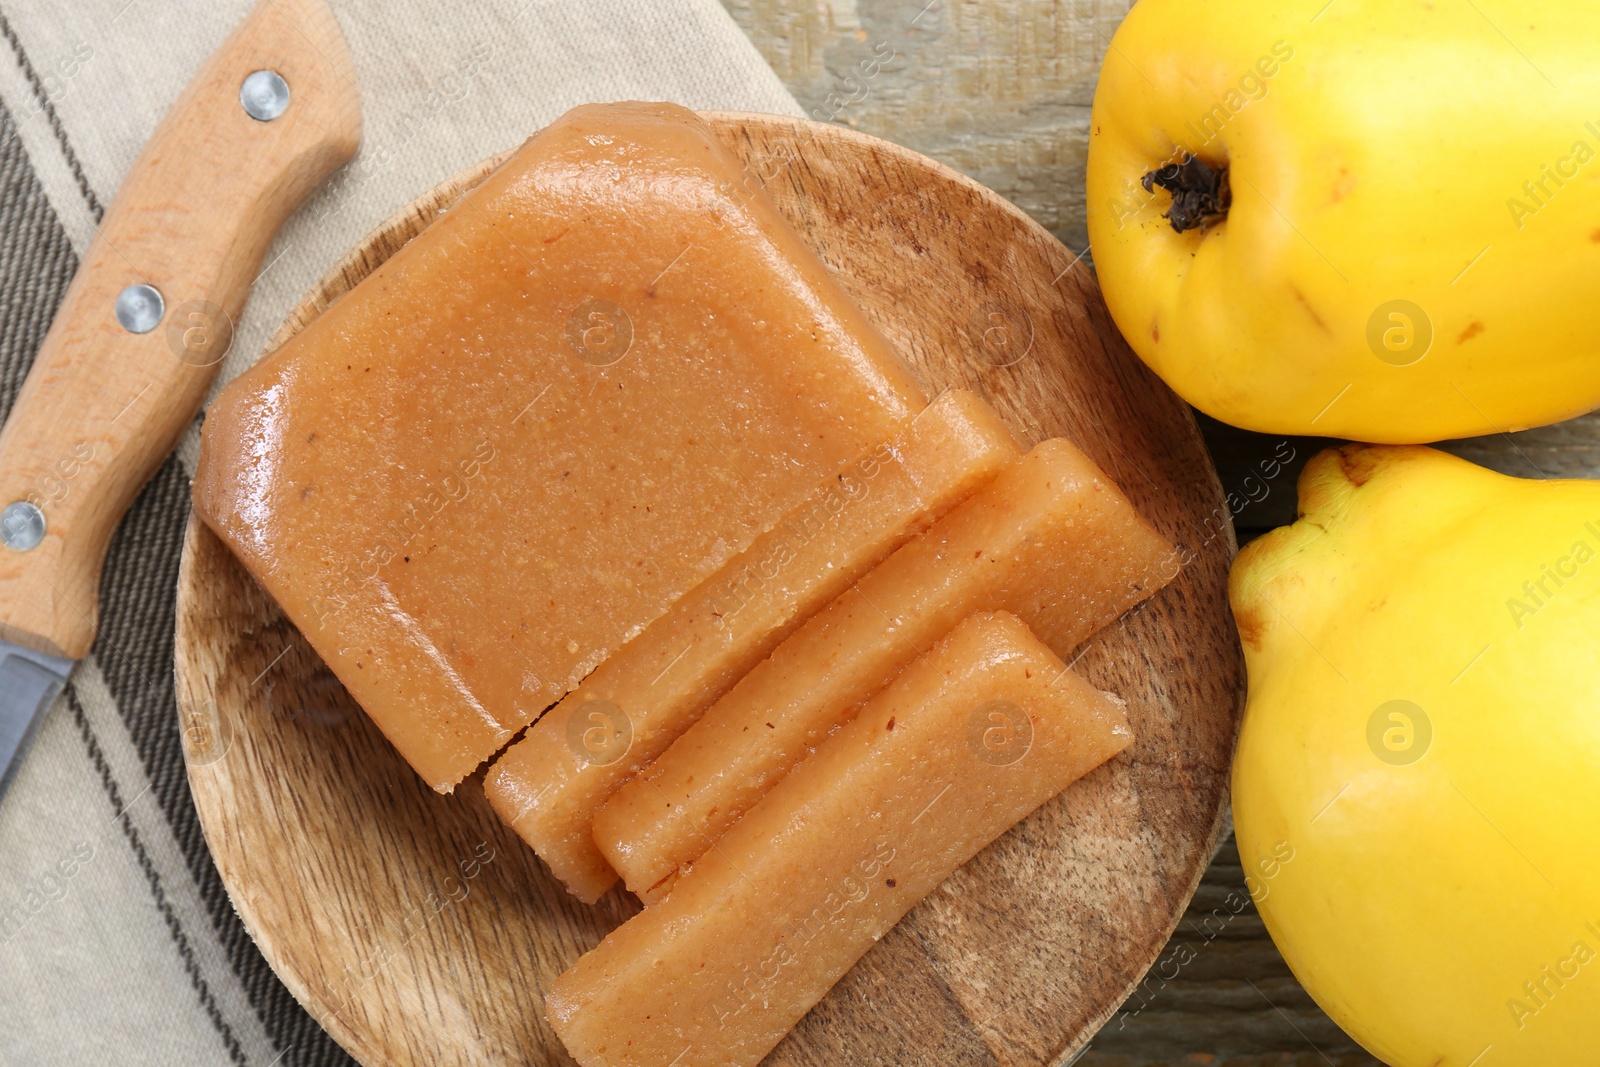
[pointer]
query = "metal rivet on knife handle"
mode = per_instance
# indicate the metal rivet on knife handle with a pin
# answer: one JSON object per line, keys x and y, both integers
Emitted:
{"x": 264, "y": 95}
{"x": 195, "y": 217}
{"x": 139, "y": 308}
{"x": 21, "y": 525}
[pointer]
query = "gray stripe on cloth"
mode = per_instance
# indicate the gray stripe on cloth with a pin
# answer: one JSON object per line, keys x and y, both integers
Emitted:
{"x": 90, "y": 965}
{"x": 134, "y": 645}
{"x": 47, "y": 107}
{"x": 134, "y": 651}
{"x": 442, "y": 89}
{"x": 120, "y": 812}
{"x": 36, "y": 264}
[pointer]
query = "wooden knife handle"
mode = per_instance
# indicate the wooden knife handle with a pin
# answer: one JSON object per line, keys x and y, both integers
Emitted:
{"x": 103, "y": 406}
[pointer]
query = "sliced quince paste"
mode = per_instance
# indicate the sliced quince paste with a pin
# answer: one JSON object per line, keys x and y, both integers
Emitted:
{"x": 549, "y": 785}
{"x": 1050, "y": 539}
{"x": 596, "y": 378}
{"x": 971, "y": 738}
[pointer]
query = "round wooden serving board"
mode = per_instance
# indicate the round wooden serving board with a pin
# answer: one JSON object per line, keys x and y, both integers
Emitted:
{"x": 418, "y": 930}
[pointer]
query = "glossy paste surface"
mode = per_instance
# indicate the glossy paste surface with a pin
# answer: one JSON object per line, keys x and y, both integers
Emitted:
{"x": 549, "y": 785}
{"x": 1050, "y": 539}
{"x": 967, "y": 741}
{"x": 599, "y": 376}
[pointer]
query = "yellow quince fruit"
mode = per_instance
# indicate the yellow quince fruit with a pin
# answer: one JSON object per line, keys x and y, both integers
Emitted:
{"x": 1372, "y": 219}
{"x": 1417, "y": 787}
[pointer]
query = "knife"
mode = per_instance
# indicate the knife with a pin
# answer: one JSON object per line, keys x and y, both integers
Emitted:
{"x": 150, "y": 314}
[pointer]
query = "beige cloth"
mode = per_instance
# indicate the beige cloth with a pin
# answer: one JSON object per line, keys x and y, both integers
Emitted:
{"x": 116, "y": 942}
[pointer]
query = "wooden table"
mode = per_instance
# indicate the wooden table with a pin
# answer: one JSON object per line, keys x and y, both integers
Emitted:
{"x": 1001, "y": 89}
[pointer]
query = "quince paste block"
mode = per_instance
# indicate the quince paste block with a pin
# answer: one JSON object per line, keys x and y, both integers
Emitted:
{"x": 1050, "y": 539}
{"x": 549, "y": 785}
{"x": 969, "y": 740}
{"x": 595, "y": 379}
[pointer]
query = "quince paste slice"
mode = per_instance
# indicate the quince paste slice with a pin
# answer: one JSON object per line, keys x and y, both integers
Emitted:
{"x": 549, "y": 784}
{"x": 1050, "y": 539}
{"x": 596, "y": 378}
{"x": 971, "y": 738}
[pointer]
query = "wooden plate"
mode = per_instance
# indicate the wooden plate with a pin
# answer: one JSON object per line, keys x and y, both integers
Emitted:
{"x": 418, "y": 930}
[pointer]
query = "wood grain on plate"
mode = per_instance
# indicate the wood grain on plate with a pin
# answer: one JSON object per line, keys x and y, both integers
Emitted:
{"x": 419, "y": 930}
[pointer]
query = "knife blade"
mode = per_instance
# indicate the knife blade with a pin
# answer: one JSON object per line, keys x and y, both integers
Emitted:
{"x": 29, "y": 683}
{"x": 145, "y": 323}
